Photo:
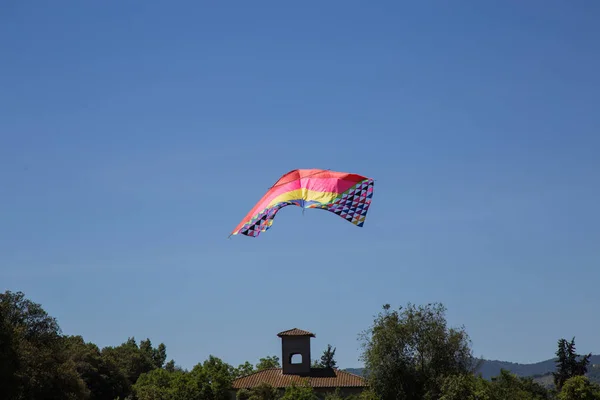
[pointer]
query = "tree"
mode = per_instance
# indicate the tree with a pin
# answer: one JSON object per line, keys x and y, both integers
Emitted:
{"x": 159, "y": 355}
{"x": 335, "y": 395}
{"x": 464, "y": 387}
{"x": 154, "y": 385}
{"x": 38, "y": 361}
{"x": 244, "y": 369}
{"x": 299, "y": 392}
{"x": 367, "y": 394}
{"x": 210, "y": 380}
{"x": 103, "y": 378}
{"x": 214, "y": 378}
{"x": 569, "y": 363}
{"x": 263, "y": 391}
{"x": 268, "y": 362}
{"x": 508, "y": 386}
{"x": 409, "y": 352}
{"x": 33, "y": 360}
{"x": 327, "y": 360}
{"x": 579, "y": 388}
{"x": 170, "y": 366}
{"x": 9, "y": 357}
{"x": 130, "y": 360}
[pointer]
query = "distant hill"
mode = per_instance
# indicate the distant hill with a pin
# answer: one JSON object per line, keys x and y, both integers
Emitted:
{"x": 491, "y": 368}
{"x": 541, "y": 371}
{"x": 355, "y": 371}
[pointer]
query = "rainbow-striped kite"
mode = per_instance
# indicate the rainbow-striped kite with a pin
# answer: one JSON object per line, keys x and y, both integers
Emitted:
{"x": 345, "y": 194}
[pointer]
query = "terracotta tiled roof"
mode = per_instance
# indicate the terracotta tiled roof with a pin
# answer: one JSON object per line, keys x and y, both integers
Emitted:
{"x": 295, "y": 332}
{"x": 319, "y": 378}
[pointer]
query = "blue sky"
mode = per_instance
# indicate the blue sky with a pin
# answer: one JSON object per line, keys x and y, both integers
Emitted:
{"x": 135, "y": 135}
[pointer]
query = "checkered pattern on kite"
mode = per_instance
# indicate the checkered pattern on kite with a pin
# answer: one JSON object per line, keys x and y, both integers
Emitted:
{"x": 263, "y": 221}
{"x": 354, "y": 203}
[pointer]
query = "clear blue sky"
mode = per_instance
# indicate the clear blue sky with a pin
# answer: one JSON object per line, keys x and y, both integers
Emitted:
{"x": 135, "y": 135}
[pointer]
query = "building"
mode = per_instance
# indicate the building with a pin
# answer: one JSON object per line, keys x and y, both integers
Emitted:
{"x": 296, "y": 368}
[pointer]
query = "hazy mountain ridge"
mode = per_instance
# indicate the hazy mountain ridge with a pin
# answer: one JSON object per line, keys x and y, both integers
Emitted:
{"x": 491, "y": 368}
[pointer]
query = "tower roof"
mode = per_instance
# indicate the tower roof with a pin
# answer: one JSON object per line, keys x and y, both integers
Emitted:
{"x": 318, "y": 378}
{"x": 295, "y": 332}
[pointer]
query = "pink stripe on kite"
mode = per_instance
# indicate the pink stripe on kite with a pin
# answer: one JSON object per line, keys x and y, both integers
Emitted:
{"x": 334, "y": 185}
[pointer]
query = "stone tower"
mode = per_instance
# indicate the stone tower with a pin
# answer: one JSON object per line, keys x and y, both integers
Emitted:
{"x": 295, "y": 351}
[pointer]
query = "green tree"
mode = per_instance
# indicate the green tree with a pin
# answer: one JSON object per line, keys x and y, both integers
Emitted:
{"x": 368, "y": 394}
{"x": 464, "y": 387}
{"x": 335, "y": 395}
{"x": 409, "y": 352}
{"x": 145, "y": 347}
{"x": 536, "y": 390}
{"x": 299, "y": 392}
{"x": 34, "y": 363}
{"x": 170, "y": 366}
{"x": 243, "y": 394}
{"x": 210, "y": 380}
{"x": 159, "y": 355}
{"x": 244, "y": 369}
{"x": 508, "y": 386}
{"x": 103, "y": 379}
{"x": 184, "y": 386}
{"x": 155, "y": 385}
{"x": 263, "y": 391}
{"x": 9, "y": 357}
{"x": 130, "y": 360}
{"x": 569, "y": 363}
{"x": 268, "y": 362}
{"x": 579, "y": 388}
{"x": 214, "y": 378}
{"x": 327, "y": 359}
{"x": 338, "y": 395}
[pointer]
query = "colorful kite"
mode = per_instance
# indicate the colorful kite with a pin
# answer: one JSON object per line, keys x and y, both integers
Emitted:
{"x": 347, "y": 195}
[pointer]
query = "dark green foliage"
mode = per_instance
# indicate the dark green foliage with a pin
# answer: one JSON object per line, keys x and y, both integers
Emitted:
{"x": 410, "y": 352}
{"x": 261, "y": 392}
{"x": 33, "y": 357}
{"x": 268, "y": 362}
{"x": 335, "y": 395}
{"x": 507, "y": 386}
{"x": 130, "y": 361}
{"x": 216, "y": 376}
{"x": 159, "y": 355}
{"x": 244, "y": 369}
{"x": 579, "y": 387}
{"x": 102, "y": 377}
{"x": 327, "y": 360}
{"x": 9, "y": 356}
{"x": 208, "y": 381}
{"x": 170, "y": 366}
{"x": 299, "y": 392}
{"x": 569, "y": 363}
{"x": 37, "y": 361}
{"x": 458, "y": 387}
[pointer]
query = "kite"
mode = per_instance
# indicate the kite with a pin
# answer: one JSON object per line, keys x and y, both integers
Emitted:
{"x": 345, "y": 194}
